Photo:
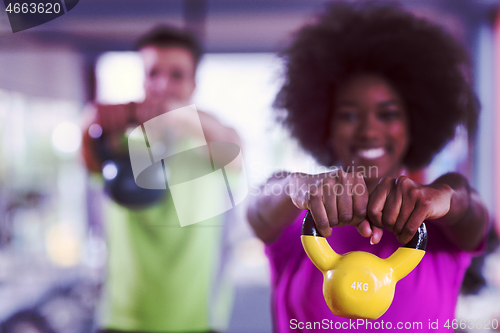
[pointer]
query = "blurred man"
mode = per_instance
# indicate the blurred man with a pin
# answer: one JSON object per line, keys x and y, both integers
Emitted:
{"x": 160, "y": 277}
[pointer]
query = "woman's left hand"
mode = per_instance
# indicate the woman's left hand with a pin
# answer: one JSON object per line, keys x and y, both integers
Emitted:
{"x": 401, "y": 205}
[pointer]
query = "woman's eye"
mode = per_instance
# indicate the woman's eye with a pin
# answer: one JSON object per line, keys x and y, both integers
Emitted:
{"x": 347, "y": 115}
{"x": 388, "y": 115}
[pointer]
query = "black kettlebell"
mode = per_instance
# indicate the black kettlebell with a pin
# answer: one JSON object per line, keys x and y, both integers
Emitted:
{"x": 119, "y": 182}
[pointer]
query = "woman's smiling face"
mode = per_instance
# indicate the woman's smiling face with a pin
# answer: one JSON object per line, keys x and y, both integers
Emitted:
{"x": 369, "y": 126}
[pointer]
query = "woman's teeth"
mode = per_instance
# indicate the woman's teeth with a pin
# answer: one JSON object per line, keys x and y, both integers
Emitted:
{"x": 371, "y": 154}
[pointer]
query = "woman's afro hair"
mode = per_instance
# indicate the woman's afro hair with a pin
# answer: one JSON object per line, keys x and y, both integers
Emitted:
{"x": 422, "y": 62}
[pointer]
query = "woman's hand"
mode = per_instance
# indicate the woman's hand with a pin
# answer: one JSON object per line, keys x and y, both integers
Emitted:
{"x": 401, "y": 205}
{"x": 335, "y": 199}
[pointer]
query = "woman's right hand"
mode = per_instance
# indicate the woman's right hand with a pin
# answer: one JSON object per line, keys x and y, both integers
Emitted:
{"x": 335, "y": 199}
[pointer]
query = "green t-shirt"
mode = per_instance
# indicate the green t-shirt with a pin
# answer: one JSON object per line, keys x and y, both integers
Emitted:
{"x": 162, "y": 277}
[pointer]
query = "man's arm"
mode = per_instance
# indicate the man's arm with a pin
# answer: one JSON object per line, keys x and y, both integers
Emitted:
{"x": 90, "y": 158}
{"x": 112, "y": 119}
{"x": 215, "y": 131}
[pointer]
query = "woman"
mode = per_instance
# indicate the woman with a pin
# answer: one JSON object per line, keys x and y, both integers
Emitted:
{"x": 373, "y": 88}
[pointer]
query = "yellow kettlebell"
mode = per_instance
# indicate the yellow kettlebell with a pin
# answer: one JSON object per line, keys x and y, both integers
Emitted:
{"x": 359, "y": 284}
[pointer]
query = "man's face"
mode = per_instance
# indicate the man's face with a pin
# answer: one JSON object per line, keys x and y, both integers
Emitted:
{"x": 170, "y": 75}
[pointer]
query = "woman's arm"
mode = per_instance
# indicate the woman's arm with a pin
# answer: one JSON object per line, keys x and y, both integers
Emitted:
{"x": 270, "y": 214}
{"x": 401, "y": 205}
{"x": 329, "y": 196}
{"x": 467, "y": 221}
